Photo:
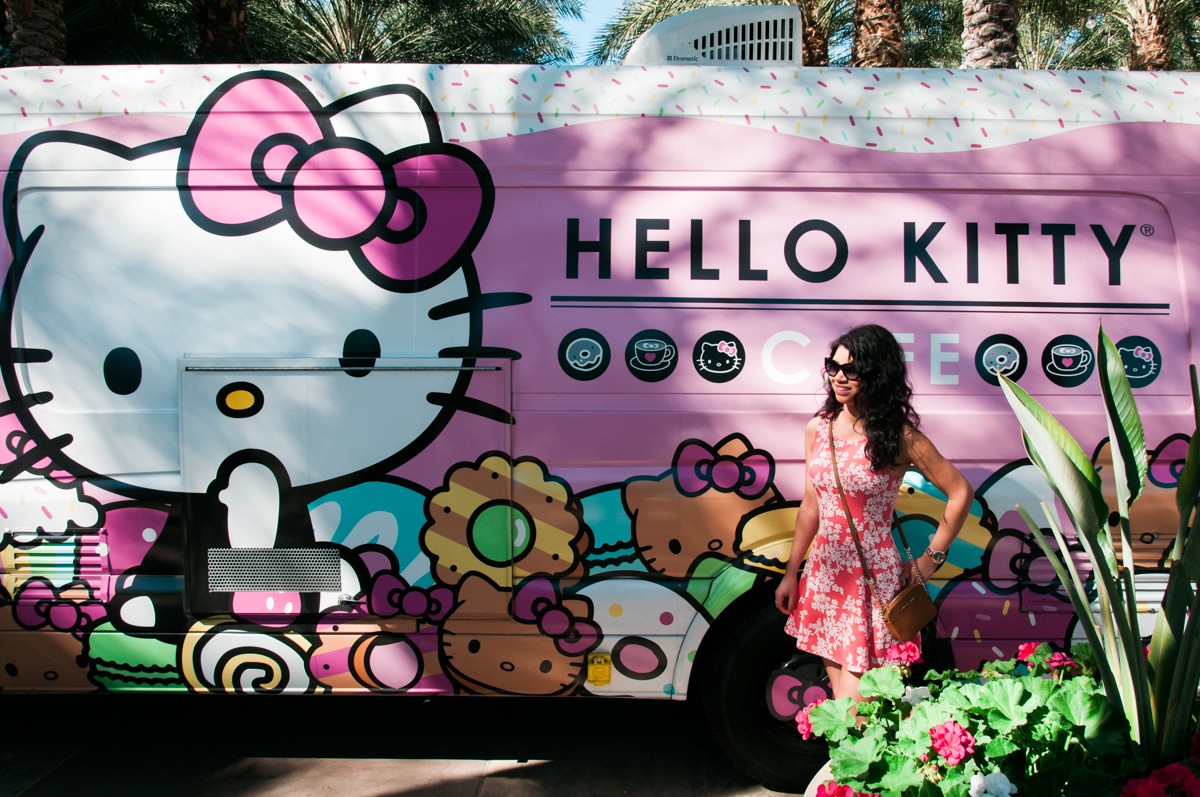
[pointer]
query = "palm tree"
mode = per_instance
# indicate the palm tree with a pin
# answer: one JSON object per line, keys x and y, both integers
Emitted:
{"x": 933, "y": 33}
{"x": 1149, "y": 32}
{"x": 438, "y": 31}
{"x": 1109, "y": 34}
{"x": 37, "y": 31}
{"x": 989, "y": 38}
{"x": 130, "y": 31}
{"x": 221, "y": 31}
{"x": 878, "y": 34}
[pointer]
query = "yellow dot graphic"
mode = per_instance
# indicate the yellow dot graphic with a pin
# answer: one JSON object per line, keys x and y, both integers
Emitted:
{"x": 239, "y": 400}
{"x": 616, "y": 610}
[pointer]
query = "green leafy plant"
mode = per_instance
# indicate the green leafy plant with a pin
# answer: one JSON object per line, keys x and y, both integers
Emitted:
{"x": 1040, "y": 722}
{"x": 1155, "y": 691}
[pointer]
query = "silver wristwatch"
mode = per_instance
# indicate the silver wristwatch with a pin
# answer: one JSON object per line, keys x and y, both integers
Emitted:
{"x": 938, "y": 557}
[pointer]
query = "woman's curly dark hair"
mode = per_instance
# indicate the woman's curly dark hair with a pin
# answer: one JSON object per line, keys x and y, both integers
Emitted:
{"x": 884, "y": 393}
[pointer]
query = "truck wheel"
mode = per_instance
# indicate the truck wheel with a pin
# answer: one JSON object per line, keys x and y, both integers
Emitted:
{"x": 750, "y": 695}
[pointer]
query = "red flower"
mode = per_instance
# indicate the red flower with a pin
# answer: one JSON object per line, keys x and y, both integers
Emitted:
{"x": 1172, "y": 780}
{"x": 832, "y": 789}
{"x": 904, "y": 653}
{"x": 1026, "y": 649}
{"x": 1143, "y": 787}
{"x": 952, "y": 742}
{"x": 1060, "y": 660}
{"x": 1173, "y": 775}
{"x": 802, "y": 723}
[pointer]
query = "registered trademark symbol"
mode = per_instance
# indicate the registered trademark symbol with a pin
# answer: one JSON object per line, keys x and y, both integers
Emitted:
{"x": 1147, "y": 230}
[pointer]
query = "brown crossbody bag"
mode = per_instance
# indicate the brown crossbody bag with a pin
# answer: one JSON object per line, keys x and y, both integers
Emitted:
{"x": 912, "y": 609}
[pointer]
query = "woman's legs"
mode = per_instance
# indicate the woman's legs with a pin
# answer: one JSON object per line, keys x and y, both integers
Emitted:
{"x": 843, "y": 682}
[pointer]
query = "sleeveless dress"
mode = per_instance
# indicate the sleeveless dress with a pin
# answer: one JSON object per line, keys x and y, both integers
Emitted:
{"x": 835, "y": 617}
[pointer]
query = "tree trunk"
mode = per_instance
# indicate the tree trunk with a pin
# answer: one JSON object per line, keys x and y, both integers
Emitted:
{"x": 878, "y": 34}
{"x": 1150, "y": 35}
{"x": 37, "y": 32}
{"x": 990, "y": 33}
{"x": 221, "y": 25}
{"x": 814, "y": 47}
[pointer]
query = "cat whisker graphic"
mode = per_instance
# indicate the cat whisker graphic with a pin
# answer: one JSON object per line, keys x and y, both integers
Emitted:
{"x": 478, "y": 303}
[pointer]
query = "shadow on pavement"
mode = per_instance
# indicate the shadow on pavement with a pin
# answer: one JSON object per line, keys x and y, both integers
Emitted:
{"x": 187, "y": 745}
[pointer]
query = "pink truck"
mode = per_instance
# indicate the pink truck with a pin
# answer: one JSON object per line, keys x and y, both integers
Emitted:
{"x": 492, "y": 379}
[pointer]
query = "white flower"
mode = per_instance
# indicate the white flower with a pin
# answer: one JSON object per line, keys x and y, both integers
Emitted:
{"x": 916, "y": 694}
{"x": 995, "y": 784}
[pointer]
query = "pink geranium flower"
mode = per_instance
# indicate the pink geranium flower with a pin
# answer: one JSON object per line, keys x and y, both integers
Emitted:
{"x": 1026, "y": 649}
{"x": 1172, "y": 780}
{"x": 802, "y": 723}
{"x": 1059, "y": 660}
{"x": 832, "y": 789}
{"x": 1174, "y": 775}
{"x": 952, "y": 742}
{"x": 1144, "y": 787}
{"x": 904, "y": 653}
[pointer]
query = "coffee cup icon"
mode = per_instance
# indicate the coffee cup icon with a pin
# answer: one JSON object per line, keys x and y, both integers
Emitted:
{"x": 1068, "y": 359}
{"x": 651, "y": 354}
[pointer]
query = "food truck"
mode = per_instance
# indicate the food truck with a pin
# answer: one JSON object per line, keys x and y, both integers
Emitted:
{"x": 488, "y": 379}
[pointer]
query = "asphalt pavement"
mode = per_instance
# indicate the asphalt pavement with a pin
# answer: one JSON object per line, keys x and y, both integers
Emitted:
{"x": 210, "y": 746}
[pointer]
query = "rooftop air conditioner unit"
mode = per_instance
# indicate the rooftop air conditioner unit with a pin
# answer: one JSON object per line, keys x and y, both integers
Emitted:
{"x": 733, "y": 35}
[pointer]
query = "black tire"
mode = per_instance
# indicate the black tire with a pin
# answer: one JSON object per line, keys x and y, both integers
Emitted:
{"x": 758, "y": 739}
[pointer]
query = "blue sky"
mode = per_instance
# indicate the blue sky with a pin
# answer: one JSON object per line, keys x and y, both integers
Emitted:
{"x": 595, "y": 14}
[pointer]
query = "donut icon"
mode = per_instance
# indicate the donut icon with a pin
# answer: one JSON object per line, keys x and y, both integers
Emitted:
{"x": 1001, "y": 358}
{"x": 1000, "y": 355}
{"x": 584, "y": 354}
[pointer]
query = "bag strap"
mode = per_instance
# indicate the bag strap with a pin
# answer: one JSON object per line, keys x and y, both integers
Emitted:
{"x": 854, "y": 531}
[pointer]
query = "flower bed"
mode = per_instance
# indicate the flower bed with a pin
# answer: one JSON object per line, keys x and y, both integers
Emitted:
{"x": 1037, "y": 725}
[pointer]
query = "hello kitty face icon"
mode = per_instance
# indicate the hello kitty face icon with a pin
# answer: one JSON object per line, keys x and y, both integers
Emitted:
{"x": 338, "y": 232}
{"x": 1141, "y": 359}
{"x": 719, "y": 356}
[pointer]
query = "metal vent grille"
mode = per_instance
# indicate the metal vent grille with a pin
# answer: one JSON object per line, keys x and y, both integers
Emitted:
{"x": 764, "y": 40}
{"x": 723, "y": 35}
{"x": 274, "y": 570}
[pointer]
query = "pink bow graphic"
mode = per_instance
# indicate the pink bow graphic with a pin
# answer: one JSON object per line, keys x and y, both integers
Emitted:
{"x": 262, "y": 149}
{"x": 39, "y": 604}
{"x": 785, "y": 693}
{"x": 1144, "y": 353}
{"x": 390, "y": 595}
{"x": 537, "y": 601}
{"x": 698, "y": 468}
{"x": 726, "y": 347}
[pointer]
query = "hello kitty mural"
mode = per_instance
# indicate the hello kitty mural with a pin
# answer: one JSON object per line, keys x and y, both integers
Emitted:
{"x": 246, "y": 259}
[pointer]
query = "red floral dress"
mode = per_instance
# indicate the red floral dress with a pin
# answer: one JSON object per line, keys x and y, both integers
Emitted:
{"x": 835, "y": 617}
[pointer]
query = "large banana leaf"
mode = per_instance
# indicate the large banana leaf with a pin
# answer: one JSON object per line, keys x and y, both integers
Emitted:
{"x": 1065, "y": 465}
{"x": 1125, "y": 433}
{"x": 1068, "y": 575}
{"x": 1157, "y": 697}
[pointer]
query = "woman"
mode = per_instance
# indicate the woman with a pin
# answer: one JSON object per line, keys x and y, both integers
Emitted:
{"x": 869, "y": 414}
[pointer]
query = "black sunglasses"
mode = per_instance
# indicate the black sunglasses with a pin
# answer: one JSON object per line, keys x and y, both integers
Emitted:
{"x": 849, "y": 370}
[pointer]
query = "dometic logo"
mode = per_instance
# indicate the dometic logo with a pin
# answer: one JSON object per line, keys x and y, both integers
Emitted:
{"x": 688, "y": 58}
{"x": 927, "y": 252}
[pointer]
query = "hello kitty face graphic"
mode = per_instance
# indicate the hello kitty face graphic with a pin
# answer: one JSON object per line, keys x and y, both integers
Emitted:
{"x": 718, "y": 358}
{"x": 1140, "y": 363}
{"x": 541, "y": 650}
{"x": 334, "y": 234}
